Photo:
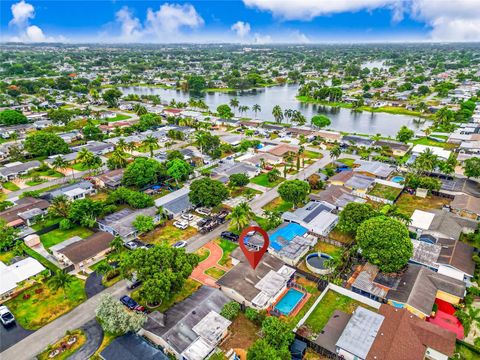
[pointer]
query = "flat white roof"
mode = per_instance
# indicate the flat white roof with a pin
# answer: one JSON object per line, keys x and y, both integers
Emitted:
{"x": 20, "y": 271}
{"x": 212, "y": 326}
{"x": 440, "y": 152}
{"x": 198, "y": 350}
{"x": 422, "y": 219}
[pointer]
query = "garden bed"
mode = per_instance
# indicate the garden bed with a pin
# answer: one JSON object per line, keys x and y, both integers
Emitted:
{"x": 64, "y": 348}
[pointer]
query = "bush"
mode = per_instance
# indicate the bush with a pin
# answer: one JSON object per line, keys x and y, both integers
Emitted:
{"x": 239, "y": 179}
{"x": 65, "y": 224}
{"x": 255, "y": 316}
{"x": 230, "y": 310}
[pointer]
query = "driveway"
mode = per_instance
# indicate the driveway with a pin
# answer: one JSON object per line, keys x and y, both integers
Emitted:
{"x": 11, "y": 335}
{"x": 93, "y": 285}
{"x": 94, "y": 334}
{"x": 214, "y": 257}
{"x": 35, "y": 343}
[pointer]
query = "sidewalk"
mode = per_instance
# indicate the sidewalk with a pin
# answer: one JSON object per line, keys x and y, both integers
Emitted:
{"x": 214, "y": 257}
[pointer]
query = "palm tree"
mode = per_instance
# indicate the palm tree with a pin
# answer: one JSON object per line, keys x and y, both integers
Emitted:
{"x": 241, "y": 216}
{"x": 116, "y": 244}
{"x": 59, "y": 163}
{"x": 60, "y": 280}
{"x": 151, "y": 143}
{"x": 288, "y": 113}
{"x": 200, "y": 137}
{"x": 234, "y": 103}
{"x": 277, "y": 113}
{"x": 119, "y": 159}
{"x": 130, "y": 146}
{"x": 121, "y": 144}
{"x": 256, "y": 108}
{"x": 83, "y": 155}
{"x": 140, "y": 109}
{"x": 335, "y": 152}
{"x": 298, "y": 117}
{"x": 427, "y": 161}
{"x": 59, "y": 206}
{"x": 243, "y": 109}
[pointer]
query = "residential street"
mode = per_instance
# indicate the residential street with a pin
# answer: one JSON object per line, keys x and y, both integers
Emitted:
{"x": 49, "y": 334}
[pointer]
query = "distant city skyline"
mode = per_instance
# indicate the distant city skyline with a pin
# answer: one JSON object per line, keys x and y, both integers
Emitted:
{"x": 235, "y": 21}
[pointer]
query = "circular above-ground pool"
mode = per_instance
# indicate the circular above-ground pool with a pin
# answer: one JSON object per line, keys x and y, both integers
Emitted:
{"x": 316, "y": 263}
{"x": 398, "y": 179}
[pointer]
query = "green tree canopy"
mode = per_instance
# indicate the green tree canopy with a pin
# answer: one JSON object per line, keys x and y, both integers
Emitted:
{"x": 62, "y": 116}
{"x": 85, "y": 212}
{"x": 196, "y": 84}
{"x": 385, "y": 242}
{"x": 472, "y": 167}
{"x": 320, "y": 121}
{"x": 404, "y": 134}
{"x": 353, "y": 215}
{"x": 179, "y": 170}
{"x": 143, "y": 223}
{"x": 114, "y": 319}
{"x": 207, "y": 192}
{"x": 44, "y": 143}
{"x": 12, "y": 117}
{"x": 135, "y": 199}
{"x": 294, "y": 191}
{"x": 224, "y": 111}
{"x": 142, "y": 172}
{"x": 262, "y": 350}
{"x": 111, "y": 96}
{"x": 239, "y": 179}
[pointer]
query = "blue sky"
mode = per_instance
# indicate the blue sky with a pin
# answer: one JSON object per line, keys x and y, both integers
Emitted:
{"x": 244, "y": 21}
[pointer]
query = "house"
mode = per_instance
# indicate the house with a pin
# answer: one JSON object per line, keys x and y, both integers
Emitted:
{"x": 398, "y": 148}
{"x": 16, "y": 273}
{"x": 131, "y": 347}
{"x": 96, "y": 147}
{"x": 372, "y": 283}
{"x": 441, "y": 153}
{"x": 299, "y": 131}
{"x": 338, "y": 196}
{"x": 260, "y": 287}
{"x": 120, "y": 223}
{"x": 84, "y": 252}
{"x": 317, "y": 217}
{"x": 191, "y": 329}
{"x": 340, "y": 178}
{"x": 72, "y": 192}
{"x": 281, "y": 149}
{"x": 111, "y": 179}
{"x": 25, "y": 212}
{"x": 329, "y": 136}
{"x": 14, "y": 170}
{"x": 71, "y": 136}
{"x": 440, "y": 224}
{"x": 175, "y": 203}
{"x": 290, "y": 248}
{"x": 262, "y": 159}
{"x": 373, "y": 168}
{"x": 466, "y": 206}
{"x": 229, "y": 168}
{"x": 360, "y": 183}
{"x": 420, "y": 286}
{"x": 233, "y": 140}
{"x": 357, "y": 141}
{"x": 446, "y": 256}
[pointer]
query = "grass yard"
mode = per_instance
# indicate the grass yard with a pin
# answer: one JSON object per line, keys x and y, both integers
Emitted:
{"x": 7, "y": 256}
{"x": 81, "y": 339}
{"x": 38, "y": 305}
{"x": 278, "y": 204}
{"x": 312, "y": 155}
{"x": 340, "y": 236}
{"x": 331, "y": 301}
{"x": 239, "y": 191}
{"x": 33, "y": 183}
{"x": 407, "y": 203}
{"x": 332, "y": 250}
{"x": 81, "y": 167}
{"x": 169, "y": 234}
{"x": 56, "y": 236}
{"x": 188, "y": 288}
{"x": 49, "y": 173}
{"x": 243, "y": 333}
{"x": 347, "y": 161}
{"x": 215, "y": 272}
{"x": 262, "y": 180}
{"x": 10, "y": 186}
{"x": 430, "y": 142}
{"x": 463, "y": 352}
{"x": 119, "y": 117}
{"x": 46, "y": 222}
{"x": 203, "y": 254}
{"x": 385, "y": 192}
{"x": 311, "y": 288}
{"x": 227, "y": 247}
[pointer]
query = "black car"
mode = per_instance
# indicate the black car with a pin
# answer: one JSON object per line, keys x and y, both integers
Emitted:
{"x": 131, "y": 304}
{"x": 227, "y": 235}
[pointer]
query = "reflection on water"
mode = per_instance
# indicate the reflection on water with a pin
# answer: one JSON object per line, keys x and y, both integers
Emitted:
{"x": 285, "y": 96}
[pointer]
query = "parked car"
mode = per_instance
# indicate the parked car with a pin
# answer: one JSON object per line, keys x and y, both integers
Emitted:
{"x": 131, "y": 304}
{"x": 188, "y": 217}
{"x": 131, "y": 245}
{"x": 222, "y": 216}
{"x": 181, "y": 224}
{"x": 6, "y": 317}
{"x": 180, "y": 244}
{"x": 134, "y": 283}
{"x": 204, "y": 211}
{"x": 228, "y": 235}
{"x": 211, "y": 224}
{"x": 201, "y": 223}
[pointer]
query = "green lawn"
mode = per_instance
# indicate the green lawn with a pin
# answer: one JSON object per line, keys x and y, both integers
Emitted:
{"x": 332, "y": 250}
{"x": 385, "y": 192}
{"x": 58, "y": 235}
{"x": 10, "y": 186}
{"x": 407, "y": 203}
{"x": 33, "y": 183}
{"x": 49, "y": 172}
{"x": 312, "y": 155}
{"x": 347, "y": 161}
{"x": 278, "y": 204}
{"x": 239, "y": 191}
{"x": 45, "y": 223}
{"x": 331, "y": 301}
{"x": 428, "y": 142}
{"x": 227, "y": 247}
{"x": 80, "y": 167}
{"x": 463, "y": 352}
{"x": 262, "y": 180}
{"x": 215, "y": 272}
{"x": 119, "y": 117}
{"x": 39, "y": 304}
{"x": 203, "y": 254}
{"x": 6, "y": 256}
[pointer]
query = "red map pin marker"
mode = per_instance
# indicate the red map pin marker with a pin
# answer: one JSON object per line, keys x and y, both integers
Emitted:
{"x": 254, "y": 257}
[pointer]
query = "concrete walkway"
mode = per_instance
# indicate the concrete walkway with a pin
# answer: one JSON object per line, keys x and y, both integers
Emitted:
{"x": 214, "y": 257}
{"x": 32, "y": 345}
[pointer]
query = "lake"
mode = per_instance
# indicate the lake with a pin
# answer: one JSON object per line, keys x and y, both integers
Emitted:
{"x": 285, "y": 96}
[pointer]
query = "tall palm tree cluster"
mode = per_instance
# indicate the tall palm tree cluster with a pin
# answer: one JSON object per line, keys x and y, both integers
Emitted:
{"x": 241, "y": 216}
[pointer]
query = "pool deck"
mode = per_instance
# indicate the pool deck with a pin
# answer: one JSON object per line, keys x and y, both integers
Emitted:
{"x": 297, "y": 308}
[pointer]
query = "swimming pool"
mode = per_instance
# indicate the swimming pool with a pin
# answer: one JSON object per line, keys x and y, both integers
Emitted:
{"x": 398, "y": 179}
{"x": 287, "y": 232}
{"x": 289, "y": 301}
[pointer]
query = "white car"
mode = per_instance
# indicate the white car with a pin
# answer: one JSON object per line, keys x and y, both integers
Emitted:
{"x": 203, "y": 211}
{"x": 181, "y": 224}
{"x": 180, "y": 244}
{"x": 188, "y": 217}
{"x": 6, "y": 317}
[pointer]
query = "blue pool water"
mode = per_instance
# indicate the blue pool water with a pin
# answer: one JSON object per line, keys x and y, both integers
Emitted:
{"x": 289, "y": 301}
{"x": 288, "y": 233}
{"x": 398, "y": 179}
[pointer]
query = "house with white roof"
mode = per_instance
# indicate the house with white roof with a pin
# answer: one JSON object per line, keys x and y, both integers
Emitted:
{"x": 436, "y": 150}
{"x": 17, "y": 272}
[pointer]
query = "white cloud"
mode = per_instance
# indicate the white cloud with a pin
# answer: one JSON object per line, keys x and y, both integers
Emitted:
{"x": 165, "y": 24}
{"x": 22, "y": 12}
{"x": 451, "y": 20}
{"x": 241, "y": 28}
{"x": 261, "y": 39}
{"x": 309, "y": 9}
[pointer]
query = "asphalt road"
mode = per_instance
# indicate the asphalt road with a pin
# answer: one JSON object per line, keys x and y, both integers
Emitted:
{"x": 11, "y": 335}
{"x": 36, "y": 342}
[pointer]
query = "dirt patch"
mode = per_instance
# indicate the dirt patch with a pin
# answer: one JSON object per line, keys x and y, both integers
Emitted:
{"x": 242, "y": 334}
